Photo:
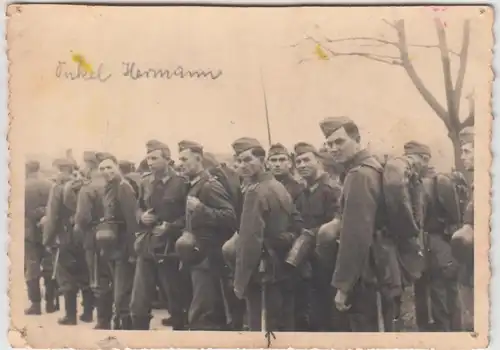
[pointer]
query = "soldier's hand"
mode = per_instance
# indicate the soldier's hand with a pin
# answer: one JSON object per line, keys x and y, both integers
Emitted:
{"x": 148, "y": 218}
{"x": 192, "y": 203}
{"x": 340, "y": 301}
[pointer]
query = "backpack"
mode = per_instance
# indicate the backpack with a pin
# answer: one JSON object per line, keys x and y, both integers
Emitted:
{"x": 403, "y": 199}
{"x": 451, "y": 195}
{"x": 231, "y": 182}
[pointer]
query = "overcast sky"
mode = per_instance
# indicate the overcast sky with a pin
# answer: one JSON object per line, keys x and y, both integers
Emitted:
{"x": 120, "y": 115}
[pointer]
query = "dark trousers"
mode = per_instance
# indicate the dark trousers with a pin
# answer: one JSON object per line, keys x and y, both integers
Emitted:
{"x": 207, "y": 310}
{"x": 72, "y": 272}
{"x": 171, "y": 282}
{"x": 438, "y": 295}
{"x": 279, "y": 306}
{"x": 111, "y": 282}
{"x": 324, "y": 316}
{"x": 302, "y": 307}
{"x": 38, "y": 263}
{"x": 101, "y": 283}
{"x": 371, "y": 310}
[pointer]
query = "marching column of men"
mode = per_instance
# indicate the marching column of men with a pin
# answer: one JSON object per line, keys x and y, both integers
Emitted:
{"x": 258, "y": 251}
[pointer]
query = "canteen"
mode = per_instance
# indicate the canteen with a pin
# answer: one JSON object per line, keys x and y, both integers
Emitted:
{"x": 326, "y": 242}
{"x": 187, "y": 249}
{"x": 301, "y": 248}
{"x": 106, "y": 235}
{"x": 462, "y": 244}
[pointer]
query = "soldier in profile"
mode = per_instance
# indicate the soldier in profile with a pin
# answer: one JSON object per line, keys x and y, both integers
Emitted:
{"x": 38, "y": 262}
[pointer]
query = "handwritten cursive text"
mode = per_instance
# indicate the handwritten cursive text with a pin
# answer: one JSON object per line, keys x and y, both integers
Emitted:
{"x": 132, "y": 71}
{"x": 77, "y": 71}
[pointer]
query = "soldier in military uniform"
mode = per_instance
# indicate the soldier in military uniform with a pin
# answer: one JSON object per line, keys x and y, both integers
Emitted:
{"x": 58, "y": 234}
{"x": 361, "y": 227}
{"x": 318, "y": 204}
{"x": 127, "y": 169}
{"x": 76, "y": 252}
{"x": 211, "y": 219}
{"x": 280, "y": 163}
{"x": 116, "y": 236}
{"x": 38, "y": 262}
{"x": 89, "y": 211}
{"x": 161, "y": 214}
{"x": 463, "y": 240}
{"x": 266, "y": 234}
{"x": 438, "y": 286}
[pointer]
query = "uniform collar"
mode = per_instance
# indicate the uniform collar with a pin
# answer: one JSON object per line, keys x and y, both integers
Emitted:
{"x": 357, "y": 160}
{"x": 264, "y": 176}
{"x": 195, "y": 180}
{"x": 322, "y": 179}
{"x": 165, "y": 176}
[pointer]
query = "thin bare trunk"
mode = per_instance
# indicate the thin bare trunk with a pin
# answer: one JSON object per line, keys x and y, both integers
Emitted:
{"x": 448, "y": 83}
{"x": 416, "y": 80}
{"x": 464, "y": 54}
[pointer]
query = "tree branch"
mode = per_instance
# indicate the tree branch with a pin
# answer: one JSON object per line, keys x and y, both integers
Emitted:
{"x": 464, "y": 53}
{"x": 469, "y": 121}
{"x": 416, "y": 80}
{"x": 448, "y": 83}
{"x": 364, "y": 38}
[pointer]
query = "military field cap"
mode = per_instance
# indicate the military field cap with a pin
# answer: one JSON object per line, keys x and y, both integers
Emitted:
{"x": 209, "y": 160}
{"x": 102, "y": 156}
{"x": 466, "y": 135}
{"x": 32, "y": 166}
{"x": 63, "y": 163}
{"x": 155, "y": 145}
{"x": 415, "y": 147}
{"x": 331, "y": 124}
{"x": 276, "y": 149}
{"x": 244, "y": 144}
{"x": 191, "y": 145}
{"x": 304, "y": 147}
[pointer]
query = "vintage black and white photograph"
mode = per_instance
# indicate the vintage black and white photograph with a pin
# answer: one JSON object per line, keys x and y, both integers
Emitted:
{"x": 243, "y": 176}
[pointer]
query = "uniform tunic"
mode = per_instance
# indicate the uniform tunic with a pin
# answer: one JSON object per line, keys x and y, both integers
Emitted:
{"x": 89, "y": 212}
{"x": 438, "y": 286}
{"x": 72, "y": 273}
{"x": 267, "y": 213}
{"x": 120, "y": 208}
{"x": 361, "y": 245}
{"x": 319, "y": 204}
{"x": 37, "y": 261}
{"x": 165, "y": 195}
{"x": 213, "y": 222}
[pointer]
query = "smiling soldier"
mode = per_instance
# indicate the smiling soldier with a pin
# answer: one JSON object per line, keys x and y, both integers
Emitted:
{"x": 318, "y": 204}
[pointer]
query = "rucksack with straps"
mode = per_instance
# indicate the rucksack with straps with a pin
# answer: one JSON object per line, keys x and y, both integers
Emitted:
{"x": 231, "y": 182}
{"x": 451, "y": 194}
{"x": 403, "y": 210}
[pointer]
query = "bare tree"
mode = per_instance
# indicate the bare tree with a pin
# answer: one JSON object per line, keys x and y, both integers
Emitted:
{"x": 450, "y": 113}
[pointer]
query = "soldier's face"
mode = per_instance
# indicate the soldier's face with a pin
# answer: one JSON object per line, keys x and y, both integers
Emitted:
{"x": 279, "y": 164}
{"x": 248, "y": 165}
{"x": 467, "y": 156}
{"x": 189, "y": 162}
{"x": 109, "y": 169}
{"x": 307, "y": 165}
{"x": 342, "y": 147}
{"x": 156, "y": 160}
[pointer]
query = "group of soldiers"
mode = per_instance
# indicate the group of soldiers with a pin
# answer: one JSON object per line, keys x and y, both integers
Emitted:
{"x": 244, "y": 247}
